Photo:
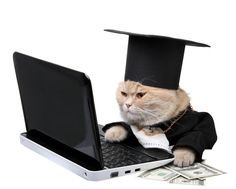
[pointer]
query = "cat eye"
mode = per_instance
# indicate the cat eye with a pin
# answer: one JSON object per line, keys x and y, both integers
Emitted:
{"x": 123, "y": 94}
{"x": 140, "y": 95}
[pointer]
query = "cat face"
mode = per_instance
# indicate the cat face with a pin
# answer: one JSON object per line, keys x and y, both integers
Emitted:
{"x": 143, "y": 105}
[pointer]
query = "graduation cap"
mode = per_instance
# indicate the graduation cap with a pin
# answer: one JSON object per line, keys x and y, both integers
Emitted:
{"x": 155, "y": 60}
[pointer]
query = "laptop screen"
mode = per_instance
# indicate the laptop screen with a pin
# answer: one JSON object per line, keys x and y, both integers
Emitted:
{"x": 58, "y": 102}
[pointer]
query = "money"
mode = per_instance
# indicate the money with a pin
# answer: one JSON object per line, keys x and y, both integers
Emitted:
{"x": 197, "y": 170}
{"x": 161, "y": 174}
{"x": 192, "y": 175}
{"x": 183, "y": 180}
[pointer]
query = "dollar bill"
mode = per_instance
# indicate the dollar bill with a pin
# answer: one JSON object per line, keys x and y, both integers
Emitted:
{"x": 192, "y": 175}
{"x": 196, "y": 171}
{"x": 161, "y": 174}
{"x": 185, "y": 181}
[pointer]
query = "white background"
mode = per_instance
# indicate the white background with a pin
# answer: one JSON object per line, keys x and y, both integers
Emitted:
{"x": 70, "y": 33}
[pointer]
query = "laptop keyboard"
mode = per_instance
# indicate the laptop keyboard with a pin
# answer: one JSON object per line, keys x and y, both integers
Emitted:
{"x": 116, "y": 155}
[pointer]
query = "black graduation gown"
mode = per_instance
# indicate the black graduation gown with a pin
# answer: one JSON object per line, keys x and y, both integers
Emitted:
{"x": 195, "y": 130}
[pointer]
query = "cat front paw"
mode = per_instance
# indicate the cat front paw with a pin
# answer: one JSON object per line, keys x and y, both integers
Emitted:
{"x": 183, "y": 157}
{"x": 115, "y": 134}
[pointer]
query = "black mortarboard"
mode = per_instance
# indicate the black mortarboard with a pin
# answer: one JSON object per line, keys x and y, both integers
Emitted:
{"x": 155, "y": 60}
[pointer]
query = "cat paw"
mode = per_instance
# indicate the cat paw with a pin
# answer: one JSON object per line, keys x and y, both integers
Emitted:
{"x": 183, "y": 157}
{"x": 115, "y": 134}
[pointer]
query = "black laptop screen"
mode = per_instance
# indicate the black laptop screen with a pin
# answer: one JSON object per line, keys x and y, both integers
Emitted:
{"x": 58, "y": 102}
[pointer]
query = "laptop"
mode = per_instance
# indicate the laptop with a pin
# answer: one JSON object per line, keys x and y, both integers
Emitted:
{"x": 61, "y": 124}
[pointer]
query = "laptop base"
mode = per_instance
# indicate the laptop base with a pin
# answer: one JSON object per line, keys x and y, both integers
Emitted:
{"x": 85, "y": 173}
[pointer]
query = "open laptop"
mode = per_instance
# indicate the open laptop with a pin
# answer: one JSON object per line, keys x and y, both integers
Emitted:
{"x": 61, "y": 124}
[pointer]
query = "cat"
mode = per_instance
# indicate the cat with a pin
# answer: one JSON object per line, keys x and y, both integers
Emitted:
{"x": 142, "y": 106}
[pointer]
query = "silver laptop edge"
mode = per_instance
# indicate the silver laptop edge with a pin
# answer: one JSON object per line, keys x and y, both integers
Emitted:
{"x": 85, "y": 173}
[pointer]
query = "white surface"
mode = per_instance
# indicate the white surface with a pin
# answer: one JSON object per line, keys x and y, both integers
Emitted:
{"x": 70, "y": 33}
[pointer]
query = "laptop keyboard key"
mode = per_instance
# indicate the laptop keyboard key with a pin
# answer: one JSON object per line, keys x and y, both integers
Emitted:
{"x": 116, "y": 155}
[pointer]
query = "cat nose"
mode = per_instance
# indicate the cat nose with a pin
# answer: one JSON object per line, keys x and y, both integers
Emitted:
{"x": 128, "y": 105}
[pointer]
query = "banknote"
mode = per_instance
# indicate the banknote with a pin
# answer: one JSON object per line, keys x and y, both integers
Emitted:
{"x": 192, "y": 175}
{"x": 197, "y": 170}
{"x": 182, "y": 180}
{"x": 162, "y": 174}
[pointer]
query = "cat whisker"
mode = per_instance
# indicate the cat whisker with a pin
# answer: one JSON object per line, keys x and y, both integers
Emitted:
{"x": 146, "y": 112}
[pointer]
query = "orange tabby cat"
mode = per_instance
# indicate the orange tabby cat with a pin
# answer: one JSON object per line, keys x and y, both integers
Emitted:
{"x": 143, "y": 106}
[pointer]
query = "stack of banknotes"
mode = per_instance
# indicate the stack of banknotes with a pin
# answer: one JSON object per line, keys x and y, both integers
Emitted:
{"x": 192, "y": 175}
